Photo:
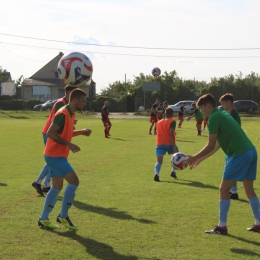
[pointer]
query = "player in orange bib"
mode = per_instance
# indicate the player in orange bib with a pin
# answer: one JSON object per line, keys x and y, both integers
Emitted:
{"x": 56, "y": 153}
{"x": 165, "y": 142}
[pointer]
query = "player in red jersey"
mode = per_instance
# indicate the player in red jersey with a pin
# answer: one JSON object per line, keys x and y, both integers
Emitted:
{"x": 161, "y": 111}
{"x": 181, "y": 114}
{"x": 153, "y": 116}
{"x": 206, "y": 119}
{"x": 105, "y": 119}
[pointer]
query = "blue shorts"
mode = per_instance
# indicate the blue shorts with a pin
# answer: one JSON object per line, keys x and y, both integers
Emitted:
{"x": 59, "y": 166}
{"x": 241, "y": 167}
{"x": 161, "y": 150}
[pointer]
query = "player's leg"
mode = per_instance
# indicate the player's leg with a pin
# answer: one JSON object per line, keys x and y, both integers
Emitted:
{"x": 173, "y": 173}
{"x": 50, "y": 201}
{"x": 181, "y": 120}
{"x": 108, "y": 128}
{"x": 151, "y": 127}
{"x": 224, "y": 204}
{"x": 233, "y": 193}
{"x": 37, "y": 183}
{"x": 155, "y": 128}
{"x": 157, "y": 167}
{"x": 68, "y": 198}
{"x": 47, "y": 183}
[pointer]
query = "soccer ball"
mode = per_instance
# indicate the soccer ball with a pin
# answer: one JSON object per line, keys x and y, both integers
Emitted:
{"x": 75, "y": 69}
{"x": 177, "y": 159}
{"x": 141, "y": 108}
{"x": 156, "y": 72}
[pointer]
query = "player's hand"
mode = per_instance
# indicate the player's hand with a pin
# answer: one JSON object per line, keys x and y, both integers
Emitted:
{"x": 74, "y": 148}
{"x": 194, "y": 164}
{"x": 86, "y": 131}
{"x": 188, "y": 160}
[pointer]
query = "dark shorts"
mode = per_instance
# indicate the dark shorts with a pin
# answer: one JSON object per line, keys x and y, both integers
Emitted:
{"x": 153, "y": 119}
{"x": 199, "y": 122}
{"x": 106, "y": 123}
{"x": 180, "y": 117}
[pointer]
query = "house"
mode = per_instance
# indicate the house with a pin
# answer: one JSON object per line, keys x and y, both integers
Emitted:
{"x": 45, "y": 84}
{"x": 5, "y": 77}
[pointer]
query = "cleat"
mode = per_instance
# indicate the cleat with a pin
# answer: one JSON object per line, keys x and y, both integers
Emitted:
{"x": 37, "y": 187}
{"x": 46, "y": 189}
{"x": 106, "y": 136}
{"x": 255, "y": 228}
{"x": 66, "y": 222}
{"x": 233, "y": 196}
{"x": 217, "y": 230}
{"x": 179, "y": 126}
{"x": 173, "y": 174}
{"x": 155, "y": 133}
{"x": 47, "y": 223}
{"x": 156, "y": 178}
{"x": 149, "y": 133}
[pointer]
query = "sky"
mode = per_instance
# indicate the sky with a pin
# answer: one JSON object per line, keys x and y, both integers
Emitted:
{"x": 199, "y": 39}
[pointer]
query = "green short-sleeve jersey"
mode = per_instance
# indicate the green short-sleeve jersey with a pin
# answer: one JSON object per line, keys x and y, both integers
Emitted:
{"x": 231, "y": 137}
{"x": 236, "y": 116}
{"x": 198, "y": 114}
{"x": 60, "y": 119}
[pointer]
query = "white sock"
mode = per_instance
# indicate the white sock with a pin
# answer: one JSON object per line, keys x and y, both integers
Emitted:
{"x": 222, "y": 224}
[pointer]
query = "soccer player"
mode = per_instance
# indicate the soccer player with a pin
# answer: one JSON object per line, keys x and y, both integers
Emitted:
{"x": 160, "y": 112}
{"x": 241, "y": 160}
{"x": 105, "y": 119}
{"x": 227, "y": 102}
{"x": 153, "y": 116}
{"x": 45, "y": 170}
{"x": 165, "y": 142}
{"x": 198, "y": 116}
{"x": 181, "y": 114}
{"x": 206, "y": 125}
{"x": 56, "y": 153}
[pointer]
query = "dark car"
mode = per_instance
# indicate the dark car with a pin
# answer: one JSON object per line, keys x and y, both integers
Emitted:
{"x": 47, "y": 106}
{"x": 244, "y": 106}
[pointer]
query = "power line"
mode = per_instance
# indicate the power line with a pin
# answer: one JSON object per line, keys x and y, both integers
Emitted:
{"x": 133, "y": 47}
{"x": 138, "y": 55}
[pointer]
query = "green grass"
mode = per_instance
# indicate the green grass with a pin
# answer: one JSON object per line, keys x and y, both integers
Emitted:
{"x": 120, "y": 211}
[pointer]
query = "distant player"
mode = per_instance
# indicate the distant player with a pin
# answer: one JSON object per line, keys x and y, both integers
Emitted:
{"x": 165, "y": 142}
{"x": 227, "y": 102}
{"x": 153, "y": 116}
{"x": 206, "y": 125}
{"x": 198, "y": 117}
{"x": 160, "y": 111}
{"x": 181, "y": 114}
{"x": 45, "y": 170}
{"x": 105, "y": 119}
{"x": 56, "y": 153}
{"x": 241, "y": 160}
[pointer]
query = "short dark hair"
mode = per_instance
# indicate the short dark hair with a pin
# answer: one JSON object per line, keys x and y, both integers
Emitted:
{"x": 207, "y": 99}
{"x": 76, "y": 93}
{"x": 169, "y": 111}
{"x": 69, "y": 88}
{"x": 227, "y": 97}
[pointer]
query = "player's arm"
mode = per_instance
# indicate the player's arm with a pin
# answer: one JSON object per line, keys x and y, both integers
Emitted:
{"x": 84, "y": 131}
{"x": 172, "y": 136}
{"x": 209, "y": 148}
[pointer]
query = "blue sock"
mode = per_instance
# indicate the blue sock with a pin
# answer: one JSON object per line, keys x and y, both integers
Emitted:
{"x": 49, "y": 203}
{"x": 44, "y": 172}
{"x": 223, "y": 210}
{"x": 234, "y": 189}
{"x": 157, "y": 168}
{"x": 254, "y": 203}
{"x": 68, "y": 197}
{"x": 47, "y": 179}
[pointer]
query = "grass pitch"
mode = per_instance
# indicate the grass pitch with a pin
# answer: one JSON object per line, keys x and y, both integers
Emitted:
{"x": 120, "y": 211}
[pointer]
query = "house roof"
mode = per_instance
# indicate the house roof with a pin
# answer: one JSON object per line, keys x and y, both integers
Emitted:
{"x": 43, "y": 82}
{"x": 6, "y": 75}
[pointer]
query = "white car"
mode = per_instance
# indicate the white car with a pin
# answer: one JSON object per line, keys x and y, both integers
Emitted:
{"x": 187, "y": 108}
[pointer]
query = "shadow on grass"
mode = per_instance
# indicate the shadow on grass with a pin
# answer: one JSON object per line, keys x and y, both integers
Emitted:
{"x": 185, "y": 141}
{"x": 118, "y": 139}
{"x": 244, "y": 252}
{"x": 16, "y": 117}
{"x": 109, "y": 212}
{"x": 3, "y": 184}
{"x": 193, "y": 183}
{"x": 97, "y": 249}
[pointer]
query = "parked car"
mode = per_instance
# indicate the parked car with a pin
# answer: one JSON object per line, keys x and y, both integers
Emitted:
{"x": 47, "y": 106}
{"x": 37, "y": 107}
{"x": 188, "y": 106}
{"x": 244, "y": 106}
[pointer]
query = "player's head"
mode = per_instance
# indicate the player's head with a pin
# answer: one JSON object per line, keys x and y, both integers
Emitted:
{"x": 157, "y": 101}
{"x": 68, "y": 89}
{"x": 78, "y": 98}
{"x": 207, "y": 99}
{"x": 183, "y": 103}
{"x": 169, "y": 112}
{"x": 227, "y": 101}
{"x": 165, "y": 104}
{"x": 193, "y": 105}
{"x": 161, "y": 104}
{"x": 106, "y": 103}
